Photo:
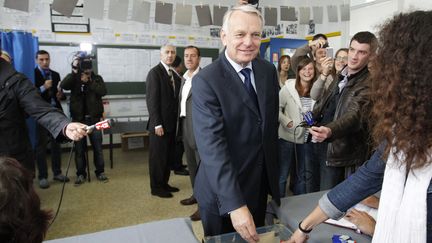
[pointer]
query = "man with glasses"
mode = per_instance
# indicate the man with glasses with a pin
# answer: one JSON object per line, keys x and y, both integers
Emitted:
{"x": 87, "y": 89}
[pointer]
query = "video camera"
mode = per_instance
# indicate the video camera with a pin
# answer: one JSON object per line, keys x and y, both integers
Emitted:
{"x": 82, "y": 61}
{"x": 253, "y": 2}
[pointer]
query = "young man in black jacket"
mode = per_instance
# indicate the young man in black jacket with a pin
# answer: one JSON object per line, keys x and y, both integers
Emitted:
{"x": 341, "y": 137}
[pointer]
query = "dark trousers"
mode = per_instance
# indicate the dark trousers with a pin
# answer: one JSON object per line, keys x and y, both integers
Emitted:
{"x": 288, "y": 162}
{"x": 192, "y": 157}
{"x": 43, "y": 138}
{"x": 161, "y": 150}
{"x": 214, "y": 224}
{"x": 81, "y": 147}
{"x": 177, "y": 162}
{"x": 319, "y": 176}
{"x": 429, "y": 218}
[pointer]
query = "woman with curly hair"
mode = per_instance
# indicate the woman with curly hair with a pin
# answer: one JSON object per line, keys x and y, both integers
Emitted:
{"x": 21, "y": 218}
{"x": 402, "y": 116}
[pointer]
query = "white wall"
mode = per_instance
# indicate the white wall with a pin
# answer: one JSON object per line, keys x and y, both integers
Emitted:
{"x": 112, "y": 32}
{"x": 369, "y": 16}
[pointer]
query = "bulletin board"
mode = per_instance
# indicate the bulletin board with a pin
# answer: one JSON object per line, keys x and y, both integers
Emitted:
{"x": 124, "y": 68}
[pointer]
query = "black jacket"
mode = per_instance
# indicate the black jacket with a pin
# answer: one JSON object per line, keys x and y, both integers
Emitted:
{"x": 51, "y": 92}
{"x": 350, "y": 141}
{"x": 18, "y": 99}
{"x": 162, "y": 101}
{"x": 85, "y": 98}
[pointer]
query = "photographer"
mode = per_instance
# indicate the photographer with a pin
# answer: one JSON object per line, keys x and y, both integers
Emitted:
{"x": 87, "y": 89}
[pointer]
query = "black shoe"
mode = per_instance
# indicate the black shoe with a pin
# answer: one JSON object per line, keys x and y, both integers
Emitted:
{"x": 61, "y": 178}
{"x": 162, "y": 194}
{"x": 169, "y": 188}
{"x": 80, "y": 180}
{"x": 102, "y": 177}
{"x": 43, "y": 183}
{"x": 188, "y": 201}
{"x": 181, "y": 171}
{"x": 195, "y": 216}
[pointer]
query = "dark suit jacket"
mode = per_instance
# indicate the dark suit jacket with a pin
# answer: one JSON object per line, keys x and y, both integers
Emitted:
{"x": 188, "y": 135}
{"x": 162, "y": 101}
{"x": 236, "y": 142}
{"x": 51, "y": 92}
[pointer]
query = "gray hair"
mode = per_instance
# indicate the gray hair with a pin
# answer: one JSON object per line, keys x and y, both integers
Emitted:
{"x": 243, "y": 8}
{"x": 163, "y": 47}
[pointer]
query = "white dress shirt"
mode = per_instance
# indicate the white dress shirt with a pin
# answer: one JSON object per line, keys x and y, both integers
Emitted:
{"x": 187, "y": 86}
{"x": 237, "y": 67}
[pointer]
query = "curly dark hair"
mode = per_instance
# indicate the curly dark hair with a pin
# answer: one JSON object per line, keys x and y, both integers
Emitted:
{"x": 21, "y": 218}
{"x": 402, "y": 87}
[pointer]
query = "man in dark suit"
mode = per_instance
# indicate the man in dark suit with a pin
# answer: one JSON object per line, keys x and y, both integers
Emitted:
{"x": 235, "y": 118}
{"x": 191, "y": 59}
{"x": 47, "y": 81}
{"x": 163, "y": 86}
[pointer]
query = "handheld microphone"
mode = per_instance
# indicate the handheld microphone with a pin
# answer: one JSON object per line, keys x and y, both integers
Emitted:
{"x": 102, "y": 125}
{"x": 308, "y": 120}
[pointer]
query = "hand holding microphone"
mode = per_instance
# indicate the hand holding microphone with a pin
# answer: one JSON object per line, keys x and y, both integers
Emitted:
{"x": 102, "y": 125}
{"x": 308, "y": 120}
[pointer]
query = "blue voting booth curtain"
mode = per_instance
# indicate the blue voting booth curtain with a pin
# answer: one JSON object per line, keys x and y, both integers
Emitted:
{"x": 22, "y": 47}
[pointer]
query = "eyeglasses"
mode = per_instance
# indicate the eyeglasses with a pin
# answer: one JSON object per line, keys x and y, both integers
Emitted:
{"x": 340, "y": 59}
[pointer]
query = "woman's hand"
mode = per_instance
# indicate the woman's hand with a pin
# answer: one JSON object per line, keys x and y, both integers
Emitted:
{"x": 326, "y": 66}
{"x": 297, "y": 237}
{"x": 362, "y": 220}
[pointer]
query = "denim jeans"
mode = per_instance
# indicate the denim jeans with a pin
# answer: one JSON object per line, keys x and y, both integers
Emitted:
{"x": 319, "y": 176}
{"x": 80, "y": 152}
{"x": 315, "y": 153}
{"x": 286, "y": 160}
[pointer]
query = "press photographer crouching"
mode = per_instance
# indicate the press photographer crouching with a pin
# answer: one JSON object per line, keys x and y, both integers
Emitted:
{"x": 87, "y": 89}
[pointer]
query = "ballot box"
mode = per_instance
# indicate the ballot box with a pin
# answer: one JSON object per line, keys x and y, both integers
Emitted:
{"x": 268, "y": 234}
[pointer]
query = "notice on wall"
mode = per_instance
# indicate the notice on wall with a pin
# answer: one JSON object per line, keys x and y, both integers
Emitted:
{"x": 129, "y": 64}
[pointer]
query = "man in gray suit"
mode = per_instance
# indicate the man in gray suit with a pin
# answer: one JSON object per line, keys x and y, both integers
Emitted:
{"x": 191, "y": 59}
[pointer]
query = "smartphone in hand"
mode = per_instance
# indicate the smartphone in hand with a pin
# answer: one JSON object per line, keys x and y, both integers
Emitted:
{"x": 329, "y": 52}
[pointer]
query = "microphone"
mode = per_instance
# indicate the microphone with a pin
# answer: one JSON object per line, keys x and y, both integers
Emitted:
{"x": 308, "y": 120}
{"x": 102, "y": 125}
